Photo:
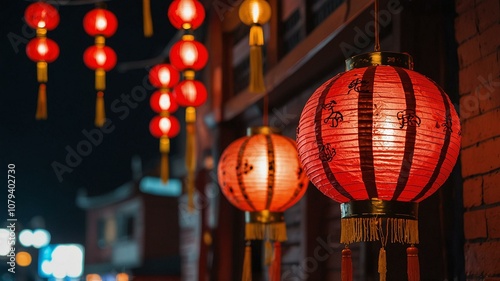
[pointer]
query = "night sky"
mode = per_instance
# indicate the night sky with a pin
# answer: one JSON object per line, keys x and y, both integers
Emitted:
{"x": 34, "y": 146}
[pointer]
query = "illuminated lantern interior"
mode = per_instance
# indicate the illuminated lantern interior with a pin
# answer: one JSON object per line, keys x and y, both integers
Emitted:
{"x": 186, "y": 14}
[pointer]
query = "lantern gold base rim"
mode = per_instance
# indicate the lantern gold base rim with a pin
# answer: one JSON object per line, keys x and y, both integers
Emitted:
{"x": 265, "y": 216}
{"x": 379, "y": 208}
{"x": 380, "y": 58}
{"x": 262, "y": 130}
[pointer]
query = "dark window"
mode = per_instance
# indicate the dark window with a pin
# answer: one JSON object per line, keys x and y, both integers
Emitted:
{"x": 321, "y": 9}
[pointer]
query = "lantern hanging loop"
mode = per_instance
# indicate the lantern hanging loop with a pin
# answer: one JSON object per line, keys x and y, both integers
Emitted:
{"x": 377, "y": 39}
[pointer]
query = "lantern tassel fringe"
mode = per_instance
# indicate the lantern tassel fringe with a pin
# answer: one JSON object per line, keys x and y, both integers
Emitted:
{"x": 257, "y": 231}
{"x": 413, "y": 264}
{"x": 146, "y": 17}
{"x": 275, "y": 270}
{"x": 41, "y": 106}
{"x": 382, "y": 264}
{"x": 247, "y": 264}
{"x": 100, "y": 115}
{"x": 367, "y": 229}
{"x": 346, "y": 271}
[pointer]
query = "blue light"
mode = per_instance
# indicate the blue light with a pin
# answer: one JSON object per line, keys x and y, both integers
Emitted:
{"x": 61, "y": 261}
{"x": 153, "y": 185}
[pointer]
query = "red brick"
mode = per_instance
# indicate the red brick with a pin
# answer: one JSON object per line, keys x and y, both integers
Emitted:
{"x": 493, "y": 222}
{"x": 481, "y": 158}
{"x": 482, "y": 259}
{"x": 488, "y": 13}
{"x": 480, "y": 128}
{"x": 485, "y": 97}
{"x": 475, "y": 224}
{"x": 465, "y": 25}
{"x": 491, "y": 188}
{"x": 469, "y": 52}
{"x": 488, "y": 40}
{"x": 473, "y": 192}
{"x": 471, "y": 76}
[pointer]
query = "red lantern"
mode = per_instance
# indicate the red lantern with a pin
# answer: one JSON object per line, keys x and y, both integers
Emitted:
{"x": 262, "y": 175}
{"x": 188, "y": 54}
{"x": 100, "y": 22}
{"x": 99, "y": 57}
{"x": 190, "y": 93}
{"x": 164, "y": 126}
{"x": 41, "y": 15}
{"x": 42, "y": 49}
{"x": 186, "y": 14}
{"x": 162, "y": 101}
{"x": 379, "y": 138}
{"x": 164, "y": 76}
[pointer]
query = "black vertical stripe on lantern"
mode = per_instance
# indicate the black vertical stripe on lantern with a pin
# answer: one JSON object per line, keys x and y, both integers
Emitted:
{"x": 319, "y": 139}
{"x": 365, "y": 131}
{"x": 239, "y": 173}
{"x": 271, "y": 171}
{"x": 411, "y": 133}
{"x": 444, "y": 149}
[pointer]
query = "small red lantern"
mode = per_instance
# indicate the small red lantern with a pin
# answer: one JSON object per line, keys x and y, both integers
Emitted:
{"x": 100, "y": 22}
{"x": 164, "y": 126}
{"x": 164, "y": 76}
{"x": 186, "y": 14}
{"x": 190, "y": 93}
{"x": 42, "y": 50}
{"x": 162, "y": 101}
{"x": 97, "y": 57}
{"x": 188, "y": 54}
{"x": 41, "y": 15}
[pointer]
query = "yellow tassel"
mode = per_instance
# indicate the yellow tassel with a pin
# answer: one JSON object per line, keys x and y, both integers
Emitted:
{"x": 100, "y": 115}
{"x": 247, "y": 264}
{"x": 41, "y": 72}
{"x": 41, "y": 107}
{"x": 146, "y": 16}
{"x": 100, "y": 79}
{"x": 256, "y": 70}
{"x": 164, "y": 168}
{"x": 382, "y": 264}
{"x": 268, "y": 253}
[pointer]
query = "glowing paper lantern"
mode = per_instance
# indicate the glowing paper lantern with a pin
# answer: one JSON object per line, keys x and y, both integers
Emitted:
{"x": 262, "y": 175}
{"x": 162, "y": 101}
{"x": 188, "y": 54}
{"x": 186, "y": 14}
{"x": 255, "y": 13}
{"x": 379, "y": 138}
{"x": 100, "y": 22}
{"x": 164, "y": 76}
{"x": 42, "y": 17}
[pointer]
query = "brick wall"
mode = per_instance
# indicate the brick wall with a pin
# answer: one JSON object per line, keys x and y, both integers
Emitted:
{"x": 477, "y": 31}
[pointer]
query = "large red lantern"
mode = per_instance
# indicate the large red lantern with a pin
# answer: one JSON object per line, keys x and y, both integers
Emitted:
{"x": 188, "y": 54}
{"x": 379, "y": 138}
{"x": 262, "y": 175}
{"x": 186, "y": 14}
{"x": 42, "y": 17}
{"x": 100, "y": 22}
{"x": 163, "y": 101}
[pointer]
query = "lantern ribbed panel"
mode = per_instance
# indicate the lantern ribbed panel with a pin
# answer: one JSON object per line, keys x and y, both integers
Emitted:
{"x": 262, "y": 172}
{"x": 378, "y": 132}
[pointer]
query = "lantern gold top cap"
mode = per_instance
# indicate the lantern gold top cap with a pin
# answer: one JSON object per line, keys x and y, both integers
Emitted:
{"x": 263, "y": 130}
{"x": 380, "y": 58}
{"x": 379, "y": 208}
{"x": 264, "y": 216}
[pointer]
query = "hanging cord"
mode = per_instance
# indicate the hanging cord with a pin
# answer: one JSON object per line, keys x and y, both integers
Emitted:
{"x": 377, "y": 40}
